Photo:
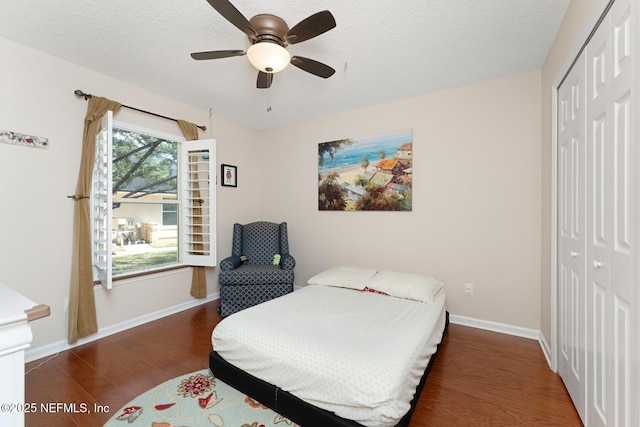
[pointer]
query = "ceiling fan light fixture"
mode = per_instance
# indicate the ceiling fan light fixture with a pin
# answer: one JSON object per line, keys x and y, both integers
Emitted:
{"x": 268, "y": 57}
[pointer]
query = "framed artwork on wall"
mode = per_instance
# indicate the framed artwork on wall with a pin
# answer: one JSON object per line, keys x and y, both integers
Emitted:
{"x": 366, "y": 174}
{"x": 229, "y": 175}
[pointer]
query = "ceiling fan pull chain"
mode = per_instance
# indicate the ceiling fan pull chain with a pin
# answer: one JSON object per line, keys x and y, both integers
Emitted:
{"x": 269, "y": 99}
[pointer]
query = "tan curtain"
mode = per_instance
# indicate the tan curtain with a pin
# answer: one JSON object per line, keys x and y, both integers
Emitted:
{"x": 198, "y": 279}
{"x": 82, "y": 306}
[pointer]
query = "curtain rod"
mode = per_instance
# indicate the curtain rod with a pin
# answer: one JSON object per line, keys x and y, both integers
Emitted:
{"x": 86, "y": 96}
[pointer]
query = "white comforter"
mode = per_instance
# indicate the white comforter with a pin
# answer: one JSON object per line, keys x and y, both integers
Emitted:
{"x": 357, "y": 354}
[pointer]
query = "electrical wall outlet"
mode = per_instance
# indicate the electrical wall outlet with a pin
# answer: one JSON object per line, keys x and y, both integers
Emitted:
{"x": 468, "y": 289}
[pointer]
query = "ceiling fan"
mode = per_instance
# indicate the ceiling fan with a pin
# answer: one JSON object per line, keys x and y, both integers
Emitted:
{"x": 269, "y": 36}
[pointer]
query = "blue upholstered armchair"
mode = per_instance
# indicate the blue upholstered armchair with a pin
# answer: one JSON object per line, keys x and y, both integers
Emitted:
{"x": 249, "y": 276}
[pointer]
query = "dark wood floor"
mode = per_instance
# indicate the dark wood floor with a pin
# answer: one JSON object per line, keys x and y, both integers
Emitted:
{"x": 479, "y": 378}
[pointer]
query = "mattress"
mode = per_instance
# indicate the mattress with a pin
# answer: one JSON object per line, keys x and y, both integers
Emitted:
{"x": 357, "y": 354}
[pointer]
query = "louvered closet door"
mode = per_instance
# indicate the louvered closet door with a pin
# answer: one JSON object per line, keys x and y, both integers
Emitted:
{"x": 571, "y": 234}
{"x": 612, "y": 221}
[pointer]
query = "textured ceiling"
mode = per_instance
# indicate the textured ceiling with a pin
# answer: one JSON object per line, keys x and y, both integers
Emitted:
{"x": 382, "y": 51}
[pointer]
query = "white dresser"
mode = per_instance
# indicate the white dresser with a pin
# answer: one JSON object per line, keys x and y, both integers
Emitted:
{"x": 16, "y": 311}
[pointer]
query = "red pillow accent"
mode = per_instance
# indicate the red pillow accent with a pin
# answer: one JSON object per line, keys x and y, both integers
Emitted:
{"x": 375, "y": 291}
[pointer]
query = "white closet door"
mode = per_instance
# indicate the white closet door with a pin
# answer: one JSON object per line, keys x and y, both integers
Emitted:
{"x": 598, "y": 224}
{"x": 571, "y": 234}
{"x": 623, "y": 254}
{"x": 599, "y": 236}
{"x": 612, "y": 221}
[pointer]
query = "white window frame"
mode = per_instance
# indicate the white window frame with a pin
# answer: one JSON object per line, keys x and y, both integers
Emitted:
{"x": 197, "y": 242}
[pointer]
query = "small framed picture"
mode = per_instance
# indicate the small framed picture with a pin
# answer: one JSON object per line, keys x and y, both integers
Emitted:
{"x": 229, "y": 176}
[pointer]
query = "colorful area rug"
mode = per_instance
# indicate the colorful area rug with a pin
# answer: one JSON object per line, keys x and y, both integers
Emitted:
{"x": 195, "y": 400}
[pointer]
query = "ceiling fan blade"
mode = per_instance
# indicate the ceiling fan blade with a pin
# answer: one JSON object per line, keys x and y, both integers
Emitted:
{"x": 311, "y": 27}
{"x": 231, "y": 14}
{"x": 217, "y": 54}
{"x": 264, "y": 80}
{"x": 314, "y": 67}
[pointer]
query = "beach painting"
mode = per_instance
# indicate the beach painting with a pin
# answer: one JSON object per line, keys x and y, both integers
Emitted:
{"x": 366, "y": 174}
{"x": 16, "y": 138}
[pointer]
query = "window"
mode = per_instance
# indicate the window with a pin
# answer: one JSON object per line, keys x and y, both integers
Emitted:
{"x": 169, "y": 214}
{"x": 152, "y": 204}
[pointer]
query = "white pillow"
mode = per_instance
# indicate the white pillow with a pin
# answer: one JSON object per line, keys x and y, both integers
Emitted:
{"x": 406, "y": 285}
{"x": 344, "y": 277}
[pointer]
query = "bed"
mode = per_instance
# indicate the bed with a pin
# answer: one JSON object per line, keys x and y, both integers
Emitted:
{"x": 353, "y": 348}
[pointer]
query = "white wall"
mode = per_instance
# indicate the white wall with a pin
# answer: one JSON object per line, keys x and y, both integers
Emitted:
{"x": 36, "y": 97}
{"x": 476, "y": 196}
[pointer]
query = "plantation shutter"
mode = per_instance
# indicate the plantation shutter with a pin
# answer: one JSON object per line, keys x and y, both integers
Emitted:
{"x": 101, "y": 203}
{"x": 198, "y": 202}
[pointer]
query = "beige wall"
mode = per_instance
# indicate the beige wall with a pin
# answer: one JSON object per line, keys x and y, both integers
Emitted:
{"x": 579, "y": 19}
{"x": 476, "y": 195}
{"x": 36, "y": 93}
{"x": 481, "y": 188}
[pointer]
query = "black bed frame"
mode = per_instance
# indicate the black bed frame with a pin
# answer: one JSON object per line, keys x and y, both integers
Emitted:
{"x": 292, "y": 407}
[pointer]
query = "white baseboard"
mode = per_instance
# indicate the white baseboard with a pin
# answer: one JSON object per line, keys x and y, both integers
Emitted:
{"x": 505, "y": 329}
{"x": 56, "y": 347}
{"x": 546, "y": 350}
{"x": 502, "y": 328}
